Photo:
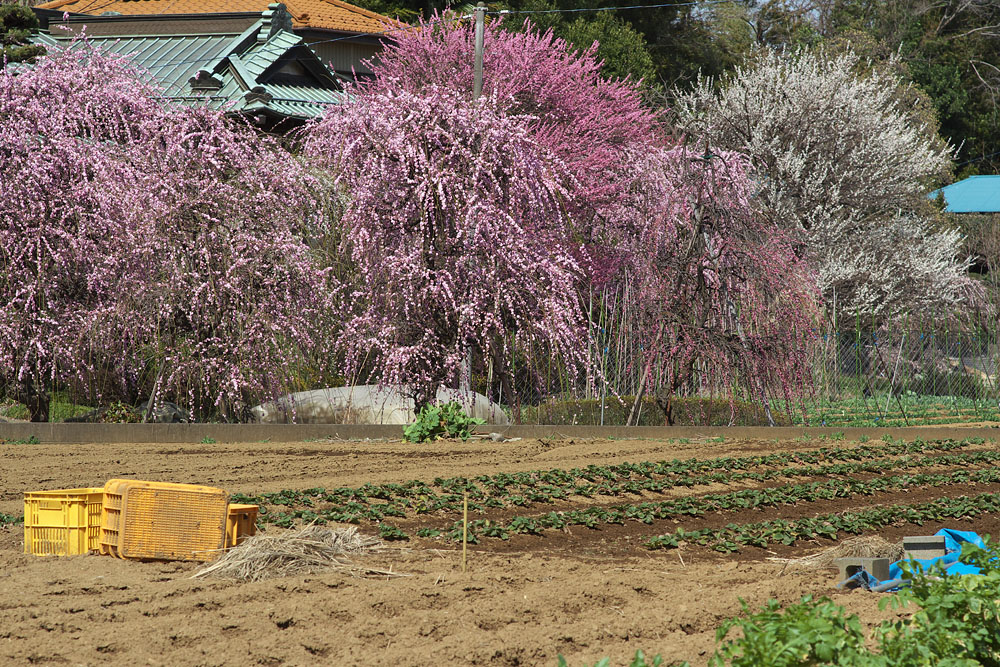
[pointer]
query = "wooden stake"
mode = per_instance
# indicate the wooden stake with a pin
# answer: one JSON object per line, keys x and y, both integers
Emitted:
{"x": 465, "y": 527}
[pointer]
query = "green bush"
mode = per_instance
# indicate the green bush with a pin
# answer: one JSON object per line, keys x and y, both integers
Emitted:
{"x": 120, "y": 413}
{"x": 933, "y": 382}
{"x": 957, "y": 623}
{"x": 447, "y": 420}
{"x": 60, "y": 408}
{"x": 807, "y": 633}
{"x": 686, "y": 412}
{"x": 959, "y": 618}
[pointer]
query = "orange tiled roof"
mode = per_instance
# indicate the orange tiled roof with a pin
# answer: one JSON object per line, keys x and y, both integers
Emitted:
{"x": 324, "y": 14}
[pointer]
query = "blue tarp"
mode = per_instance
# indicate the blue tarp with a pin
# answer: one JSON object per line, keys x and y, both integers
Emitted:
{"x": 953, "y": 540}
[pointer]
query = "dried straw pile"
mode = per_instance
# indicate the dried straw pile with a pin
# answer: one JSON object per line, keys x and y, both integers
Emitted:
{"x": 855, "y": 547}
{"x": 312, "y": 549}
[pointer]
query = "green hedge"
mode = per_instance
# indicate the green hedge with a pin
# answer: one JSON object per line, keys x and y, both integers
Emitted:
{"x": 687, "y": 412}
{"x": 933, "y": 382}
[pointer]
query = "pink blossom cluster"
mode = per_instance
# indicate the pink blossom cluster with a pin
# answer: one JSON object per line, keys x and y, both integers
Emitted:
{"x": 154, "y": 250}
{"x": 146, "y": 249}
{"x": 724, "y": 304}
{"x": 455, "y": 222}
{"x": 586, "y": 120}
{"x": 477, "y": 225}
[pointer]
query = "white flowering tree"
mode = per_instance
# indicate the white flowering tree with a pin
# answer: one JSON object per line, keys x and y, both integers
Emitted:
{"x": 840, "y": 162}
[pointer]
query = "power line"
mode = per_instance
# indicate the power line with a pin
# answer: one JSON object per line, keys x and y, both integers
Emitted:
{"x": 977, "y": 159}
{"x": 605, "y": 9}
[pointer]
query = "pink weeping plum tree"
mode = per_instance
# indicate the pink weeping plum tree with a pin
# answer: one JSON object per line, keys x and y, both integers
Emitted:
{"x": 146, "y": 249}
{"x": 455, "y": 221}
{"x": 723, "y": 303}
{"x": 586, "y": 120}
{"x": 61, "y": 204}
{"x": 238, "y": 301}
{"x": 722, "y": 300}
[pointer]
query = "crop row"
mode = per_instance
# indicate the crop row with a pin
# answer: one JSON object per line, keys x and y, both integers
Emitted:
{"x": 429, "y": 501}
{"x": 898, "y": 422}
{"x": 593, "y": 517}
{"x": 916, "y": 410}
{"x": 505, "y": 484}
{"x": 780, "y": 531}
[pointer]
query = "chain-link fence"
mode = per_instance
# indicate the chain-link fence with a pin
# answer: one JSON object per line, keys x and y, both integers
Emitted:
{"x": 906, "y": 377}
{"x": 859, "y": 378}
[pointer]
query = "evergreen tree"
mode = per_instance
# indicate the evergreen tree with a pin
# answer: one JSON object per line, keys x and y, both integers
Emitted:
{"x": 16, "y": 25}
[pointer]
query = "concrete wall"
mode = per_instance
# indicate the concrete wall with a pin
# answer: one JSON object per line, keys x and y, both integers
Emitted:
{"x": 193, "y": 433}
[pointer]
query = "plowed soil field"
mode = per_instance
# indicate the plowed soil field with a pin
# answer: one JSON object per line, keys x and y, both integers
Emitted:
{"x": 561, "y": 563}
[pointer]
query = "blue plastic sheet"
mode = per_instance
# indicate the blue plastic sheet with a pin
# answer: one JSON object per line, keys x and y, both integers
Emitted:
{"x": 953, "y": 541}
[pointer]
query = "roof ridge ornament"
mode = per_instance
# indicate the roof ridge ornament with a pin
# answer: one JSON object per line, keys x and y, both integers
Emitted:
{"x": 203, "y": 80}
{"x": 258, "y": 94}
{"x": 275, "y": 19}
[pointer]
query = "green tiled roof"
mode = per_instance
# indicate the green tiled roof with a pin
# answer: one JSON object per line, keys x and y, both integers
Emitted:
{"x": 239, "y": 71}
{"x": 170, "y": 59}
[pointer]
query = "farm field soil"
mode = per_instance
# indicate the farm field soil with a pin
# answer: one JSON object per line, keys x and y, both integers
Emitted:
{"x": 583, "y": 593}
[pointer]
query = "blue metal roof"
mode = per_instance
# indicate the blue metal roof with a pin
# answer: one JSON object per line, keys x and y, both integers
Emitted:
{"x": 975, "y": 194}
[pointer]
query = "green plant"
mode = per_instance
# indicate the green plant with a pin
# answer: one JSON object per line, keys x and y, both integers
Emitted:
{"x": 389, "y": 532}
{"x": 374, "y": 502}
{"x": 10, "y": 518}
{"x": 958, "y": 621}
{"x": 120, "y": 413}
{"x": 207, "y": 441}
{"x": 447, "y": 420}
{"x": 957, "y": 624}
{"x": 782, "y": 531}
{"x": 807, "y": 633}
{"x": 428, "y": 532}
{"x": 30, "y": 440}
{"x": 638, "y": 660}
{"x": 62, "y": 407}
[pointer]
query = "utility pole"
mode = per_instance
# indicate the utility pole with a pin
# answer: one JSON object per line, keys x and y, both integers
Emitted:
{"x": 477, "y": 75}
{"x": 465, "y": 380}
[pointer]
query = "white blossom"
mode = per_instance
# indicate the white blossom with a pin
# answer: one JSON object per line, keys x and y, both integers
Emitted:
{"x": 840, "y": 162}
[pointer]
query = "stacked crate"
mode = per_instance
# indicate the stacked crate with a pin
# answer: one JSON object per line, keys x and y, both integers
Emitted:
{"x": 136, "y": 519}
{"x": 163, "y": 521}
{"x": 65, "y": 522}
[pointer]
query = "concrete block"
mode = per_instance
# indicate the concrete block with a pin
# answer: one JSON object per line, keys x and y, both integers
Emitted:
{"x": 877, "y": 567}
{"x": 921, "y": 548}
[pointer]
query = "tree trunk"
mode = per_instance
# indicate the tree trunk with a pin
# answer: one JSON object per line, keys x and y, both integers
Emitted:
{"x": 424, "y": 396}
{"x": 665, "y": 401}
{"x": 37, "y": 401}
{"x": 507, "y": 388}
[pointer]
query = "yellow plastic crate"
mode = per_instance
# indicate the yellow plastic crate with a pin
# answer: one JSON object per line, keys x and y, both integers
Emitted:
{"x": 241, "y": 523}
{"x": 64, "y": 522}
{"x": 163, "y": 521}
